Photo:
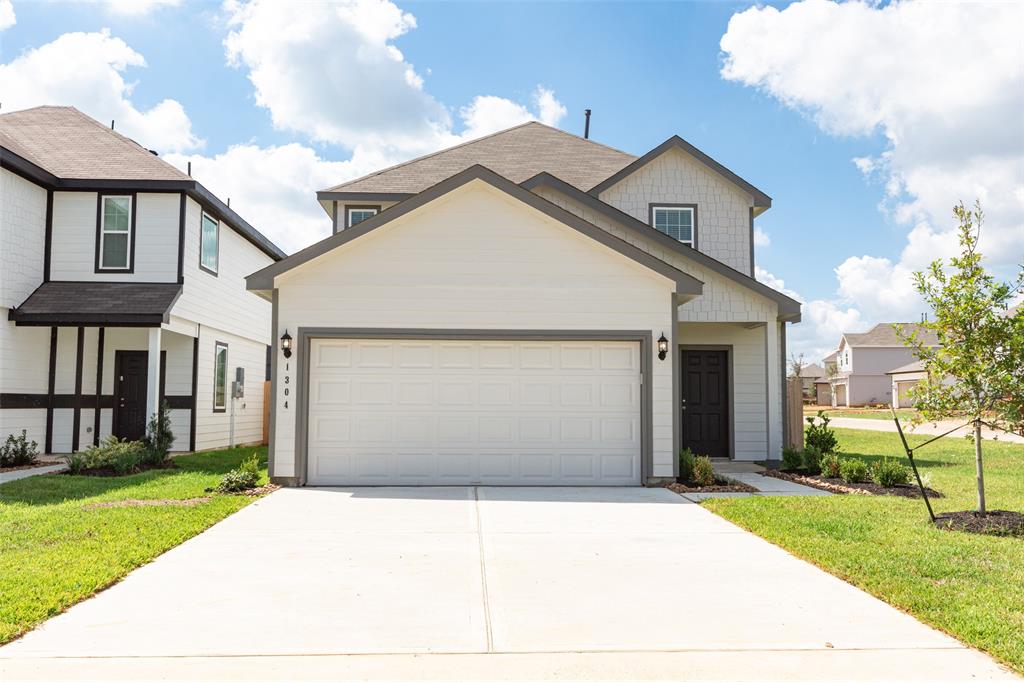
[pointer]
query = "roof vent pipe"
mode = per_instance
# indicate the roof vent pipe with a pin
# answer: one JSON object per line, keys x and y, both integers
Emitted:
{"x": 190, "y": 169}
{"x": 111, "y": 124}
{"x": 586, "y": 125}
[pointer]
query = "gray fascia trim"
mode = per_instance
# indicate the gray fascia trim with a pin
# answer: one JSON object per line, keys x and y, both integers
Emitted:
{"x": 326, "y": 195}
{"x": 645, "y": 338}
{"x": 276, "y": 351}
{"x": 789, "y": 308}
{"x": 677, "y": 413}
{"x": 751, "y": 237}
{"x": 730, "y": 385}
{"x": 685, "y": 284}
{"x": 784, "y": 387}
{"x": 675, "y": 142}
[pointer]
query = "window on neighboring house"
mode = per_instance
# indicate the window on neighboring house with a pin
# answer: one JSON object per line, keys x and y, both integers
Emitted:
{"x": 220, "y": 376}
{"x": 115, "y": 233}
{"x": 209, "y": 244}
{"x": 678, "y": 222}
{"x": 357, "y": 214}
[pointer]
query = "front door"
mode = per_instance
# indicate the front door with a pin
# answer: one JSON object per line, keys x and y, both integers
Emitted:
{"x": 705, "y": 402}
{"x": 130, "y": 379}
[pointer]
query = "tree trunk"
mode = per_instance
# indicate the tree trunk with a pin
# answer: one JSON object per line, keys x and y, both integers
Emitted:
{"x": 977, "y": 463}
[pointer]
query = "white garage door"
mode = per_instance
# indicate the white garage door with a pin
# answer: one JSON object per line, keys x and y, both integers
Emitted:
{"x": 412, "y": 412}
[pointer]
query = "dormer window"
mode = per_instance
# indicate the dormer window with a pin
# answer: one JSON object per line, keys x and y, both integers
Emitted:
{"x": 357, "y": 214}
{"x": 678, "y": 221}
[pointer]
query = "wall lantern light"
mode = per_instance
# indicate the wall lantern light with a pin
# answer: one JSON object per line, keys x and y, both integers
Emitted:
{"x": 662, "y": 347}
{"x": 286, "y": 344}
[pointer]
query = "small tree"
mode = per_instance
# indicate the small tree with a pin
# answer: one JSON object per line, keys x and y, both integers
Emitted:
{"x": 159, "y": 436}
{"x": 977, "y": 369}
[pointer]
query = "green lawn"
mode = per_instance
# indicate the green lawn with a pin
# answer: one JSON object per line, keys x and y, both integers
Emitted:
{"x": 904, "y": 414}
{"x": 970, "y": 586}
{"x": 55, "y": 550}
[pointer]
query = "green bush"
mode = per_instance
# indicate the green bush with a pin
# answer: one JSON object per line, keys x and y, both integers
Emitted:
{"x": 853, "y": 470}
{"x": 812, "y": 460}
{"x": 819, "y": 435}
{"x": 703, "y": 471}
{"x": 18, "y": 451}
{"x": 686, "y": 465}
{"x": 791, "y": 459}
{"x": 830, "y": 465}
{"x": 888, "y": 473}
{"x": 159, "y": 436}
{"x": 120, "y": 456}
{"x": 245, "y": 477}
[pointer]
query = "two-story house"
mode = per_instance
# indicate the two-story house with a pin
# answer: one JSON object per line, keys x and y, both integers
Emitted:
{"x": 864, "y": 361}
{"x": 529, "y": 308}
{"x": 122, "y": 285}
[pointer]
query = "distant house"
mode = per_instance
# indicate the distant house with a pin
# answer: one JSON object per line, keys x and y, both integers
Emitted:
{"x": 863, "y": 363}
{"x": 903, "y": 379}
{"x": 808, "y": 375}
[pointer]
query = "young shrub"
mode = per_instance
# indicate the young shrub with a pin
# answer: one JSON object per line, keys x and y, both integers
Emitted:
{"x": 159, "y": 436}
{"x": 812, "y": 460}
{"x": 819, "y": 435}
{"x": 830, "y": 465}
{"x": 237, "y": 480}
{"x": 888, "y": 473}
{"x": 703, "y": 472}
{"x": 251, "y": 465}
{"x": 18, "y": 451}
{"x": 853, "y": 470}
{"x": 119, "y": 456}
{"x": 686, "y": 465}
{"x": 791, "y": 459}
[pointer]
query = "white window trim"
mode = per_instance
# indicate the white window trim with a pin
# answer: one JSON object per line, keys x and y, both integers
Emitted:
{"x": 361, "y": 209}
{"x": 103, "y": 233}
{"x": 202, "y": 266}
{"x": 693, "y": 222}
{"x": 217, "y": 346}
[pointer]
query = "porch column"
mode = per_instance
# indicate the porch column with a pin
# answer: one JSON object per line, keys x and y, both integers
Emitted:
{"x": 774, "y": 379}
{"x": 153, "y": 374}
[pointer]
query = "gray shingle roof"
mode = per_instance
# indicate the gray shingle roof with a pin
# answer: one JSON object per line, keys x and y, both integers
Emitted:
{"x": 517, "y": 154}
{"x": 883, "y": 335}
{"x": 812, "y": 371}
{"x": 113, "y": 303}
{"x": 69, "y": 144}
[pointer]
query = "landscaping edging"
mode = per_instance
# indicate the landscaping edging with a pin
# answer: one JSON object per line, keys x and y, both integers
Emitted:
{"x": 839, "y": 486}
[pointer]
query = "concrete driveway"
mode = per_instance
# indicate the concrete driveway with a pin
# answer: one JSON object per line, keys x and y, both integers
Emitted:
{"x": 484, "y": 583}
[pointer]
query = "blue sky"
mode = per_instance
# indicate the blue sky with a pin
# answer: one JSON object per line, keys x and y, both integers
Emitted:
{"x": 648, "y": 71}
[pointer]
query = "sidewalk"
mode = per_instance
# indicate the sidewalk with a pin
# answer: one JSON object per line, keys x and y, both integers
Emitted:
{"x": 749, "y": 473}
{"x": 926, "y": 429}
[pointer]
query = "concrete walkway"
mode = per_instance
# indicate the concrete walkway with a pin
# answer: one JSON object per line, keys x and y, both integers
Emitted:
{"x": 18, "y": 474}
{"x": 484, "y": 583}
{"x": 750, "y": 474}
{"x": 926, "y": 429}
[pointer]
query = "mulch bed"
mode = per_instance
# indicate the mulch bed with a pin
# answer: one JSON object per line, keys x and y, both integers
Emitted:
{"x": 838, "y": 485}
{"x": 720, "y": 486}
{"x": 262, "y": 490}
{"x": 190, "y": 502}
{"x": 34, "y": 465}
{"x": 999, "y": 522}
{"x": 109, "y": 471}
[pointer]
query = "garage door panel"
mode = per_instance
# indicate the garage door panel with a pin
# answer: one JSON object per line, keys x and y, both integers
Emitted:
{"x": 454, "y": 412}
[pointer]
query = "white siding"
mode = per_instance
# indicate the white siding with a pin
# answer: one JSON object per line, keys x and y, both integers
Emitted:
{"x": 22, "y": 234}
{"x": 213, "y": 428}
{"x": 476, "y": 259}
{"x": 24, "y": 357}
{"x": 73, "y": 253}
{"x": 747, "y": 383}
{"x": 723, "y": 209}
{"x": 32, "y": 421}
{"x": 222, "y": 301}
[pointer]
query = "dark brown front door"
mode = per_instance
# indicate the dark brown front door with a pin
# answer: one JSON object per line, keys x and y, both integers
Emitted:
{"x": 130, "y": 379}
{"x": 705, "y": 402}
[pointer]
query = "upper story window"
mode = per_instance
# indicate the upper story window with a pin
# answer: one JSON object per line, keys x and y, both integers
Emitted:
{"x": 357, "y": 214}
{"x": 677, "y": 221}
{"x": 209, "y": 249}
{"x": 115, "y": 237}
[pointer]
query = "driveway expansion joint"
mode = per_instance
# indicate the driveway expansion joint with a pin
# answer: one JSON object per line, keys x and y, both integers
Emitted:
{"x": 483, "y": 571}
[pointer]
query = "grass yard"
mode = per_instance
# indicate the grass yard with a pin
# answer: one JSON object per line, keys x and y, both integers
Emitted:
{"x": 56, "y": 548}
{"x": 970, "y": 586}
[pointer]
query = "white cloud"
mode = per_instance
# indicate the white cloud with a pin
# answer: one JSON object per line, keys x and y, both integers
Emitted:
{"x": 96, "y": 86}
{"x": 943, "y": 82}
{"x": 336, "y": 76}
{"x": 138, "y": 7}
{"x": 765, "y": 277}
{"x": 761, "y": 237}
{"x": 7, "y": 18}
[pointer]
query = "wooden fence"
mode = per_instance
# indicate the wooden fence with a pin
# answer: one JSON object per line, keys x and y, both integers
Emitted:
{"x": 795, "y": 413}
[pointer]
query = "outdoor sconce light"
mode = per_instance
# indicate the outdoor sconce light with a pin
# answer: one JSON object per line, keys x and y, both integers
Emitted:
{"x": 662, "y": 347}
{"x": 286, "y": 344}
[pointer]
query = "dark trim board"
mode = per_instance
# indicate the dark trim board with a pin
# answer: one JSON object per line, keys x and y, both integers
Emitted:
{"x": 48, "y": 245}
{"x": 181, "y": 239}
{"x": 276, "y": 352}
{"x": 728, "y": 348}
{"x": 195, "y": 384}
{"x": 51, "y": 385}
{"x": 328, "y": 195}
{"x": 76, "y": 423}
{"x": 99, "y": 386}
{"x": 73, "y": 401}
{"x": 645, "y": 340}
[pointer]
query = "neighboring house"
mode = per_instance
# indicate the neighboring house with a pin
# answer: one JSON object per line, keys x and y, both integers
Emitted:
{"x": 903, "y": 379}
{"x": 864, "y": 360}
{"x": 809, "y": 374}
{"x": 530, "y": 308}
{"x": 121, "y": 285}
